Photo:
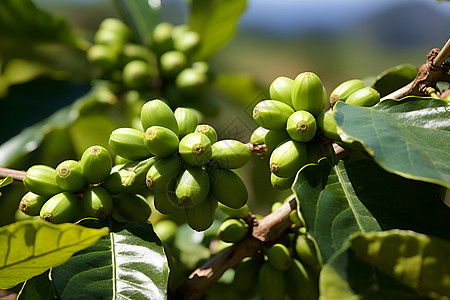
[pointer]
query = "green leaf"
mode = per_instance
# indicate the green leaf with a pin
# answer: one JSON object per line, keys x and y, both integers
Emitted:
{"x": 394, "y": 78}
{"x": 141, "y": 15}
{"x": 5, "y": 181}
{"x": 410, "y": 137}
{"x": 128, "y": 264}
{"x": 216, "y": 21}
{"x": 38, "y": 288}
{"x": 392, "y": 264}
{"x": 330, "y": 206}
{"x": 29, "y": 248}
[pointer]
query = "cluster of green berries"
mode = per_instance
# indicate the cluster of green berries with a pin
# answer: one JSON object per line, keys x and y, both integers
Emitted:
{"x": 291, "y": 119}
{"x": 188, "y": 168}
{"x": 77, "y": 189}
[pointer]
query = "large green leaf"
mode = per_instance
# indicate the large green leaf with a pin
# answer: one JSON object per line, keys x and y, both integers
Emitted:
{"x": 216, "y": 21}
{"x": 141, "y": 15}
{"x": 394, "y": 78}
{"x": 392, "y": 264}
{"x": 330, "y": 206}
{"x": 409, "y": 137}
{"x": 29, "y": 248}
{"x": 38, "y": 288}
{"x": 128, "y": 264}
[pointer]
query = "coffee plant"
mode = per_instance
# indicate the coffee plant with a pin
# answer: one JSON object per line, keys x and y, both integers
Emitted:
{"x": 129, "y": 189}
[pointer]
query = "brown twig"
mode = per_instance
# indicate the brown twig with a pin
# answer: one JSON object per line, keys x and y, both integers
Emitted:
{"x": 268, "y": 230}
{"x": 16, "y": 174}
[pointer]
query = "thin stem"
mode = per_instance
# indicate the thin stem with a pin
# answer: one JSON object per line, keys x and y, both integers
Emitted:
{"x": 16, "y": 174}
{"x": 443, "y": 54}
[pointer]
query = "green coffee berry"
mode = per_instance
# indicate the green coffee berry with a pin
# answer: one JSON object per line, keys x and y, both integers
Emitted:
{"x": 201, "y": 66}
{"x": 109, "y": 38}
{"x": 281, "y": 183}
{"x": 165, "y": 229}
{"x": 278, "y": 256}
{"x": 163, "y": 172}
{"x": 140, "y": 174}
{"x": 96, "y": 164}
{"x": 306, "y": 250}
{"x": 162, "y": 37}
{"x": 132, "y": 52}
{"x": 246, "y": 276}
{"x": 165, "y": 201}
{"x": 221, "y": 182}
{"x": 115, "y": 25}
{"x": 274, "y": 137}
{"x": 97, "y": 202}
{"x": 187, "y": 42}
{"x": 131, "y": 207}
{"x": 40, "y": 179}
{"x": 270, "y": 282}
{"x": 298, "y": 283}
{"x": 136, "y": 74}
{"x": 281, "y": 89}
{"x": 345, "y": 89}
{"x": 117, "y": 181}
{"x": 129, "y": 143}
{"x": 308, "y": 93}
{"x": 201, "y": 217}
{"x": 192, "y": 187}
{"x": 301, "y": 126}
{"x": 236, "y": 213}
{"x": 272, "y": 114}
{"x": 327, "y": 124}
{"x": 60, "y": 208}
{"x": 287, "y": 158}
{"x": 32, "y": 203}
{"x": 172, "y": 62}
{"x": 161, "y": 141}
{"x": 191, "y": 81}
{"x": 230, "y": 154}
{"x": 156, "y": 112}
{"x": 207, "y": 130}
{"x": 258, "y": 135}
{"x": 364, "y": 97}
{"x": 69, "y": 175}
{"x": 179, "y": 30}
{"x": 103, "y": 56}
{"x": 232, "y": 230}
{"x": 195, "y": 149}
{"x": 187, "y": 120}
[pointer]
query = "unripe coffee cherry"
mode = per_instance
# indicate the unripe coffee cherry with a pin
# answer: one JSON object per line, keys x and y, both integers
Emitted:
{"x": 232, "y": 230}
{"x": 110, "y": 38}
{"x": 40, "y": 179}
{"x": 156, "y": 112}
{"x": 201, "y": 66}
{"x": 117, "y": 26}
{"x": 278, "y": 256}
{"x": 306, "y": 250}
{"x": 129, "y": 143}
{"x": 163, "y": 172}
{"x": 327, "y": 124}
{"x": 32, "y": 203}
{"x": 96, "y": 164}
{"x": 97, "y": 202}
{"x": 187, "y": 120}
{"x": 207, "y": 130}
{"x": 301, "y": 126}
{"x": 132, "y": 52}
{"x": 287, "y": 158}
{"x": 258, "y": 135}
{"x": 132, "y": 207}
{"x": 281, "y": 89}
{"x": 179, "y": 30}
{"x": 281, "y": 183}
{"x": 117, "y": 181}
{"x": 165, "y": 201}
{"x": 191, "y": 81}
{"x": 227, "y": 187}
{"x": 345, "y": 89}
{"x": 274, "y": 137}
{"x": 272, "y": 114}
{"x": 172, "y": 62}
{"x": 246, "y": 276}
{"x": 308, "y": 93}
{"x": 192, "y": 187}
{"x": 161, "y": 141}
{"x": 364, "y": 97}
{"x": 230, "y": 154}
{"x": 136, "y": 74}
{"x": 187, "y": 42}
{"x": 195, "y": 149}
{"x": 162, "y": 37}
{"x": 103, "y": 56}
{"x": 60, "y": 208}
{"x": 235, "y": 213}
{"x": 140, "y": 171}
{"x": 270, "y": 282}
{"x": 201, "y": 217}
{"x": 298, "y": 283}
{"x": 69, "y": 175}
